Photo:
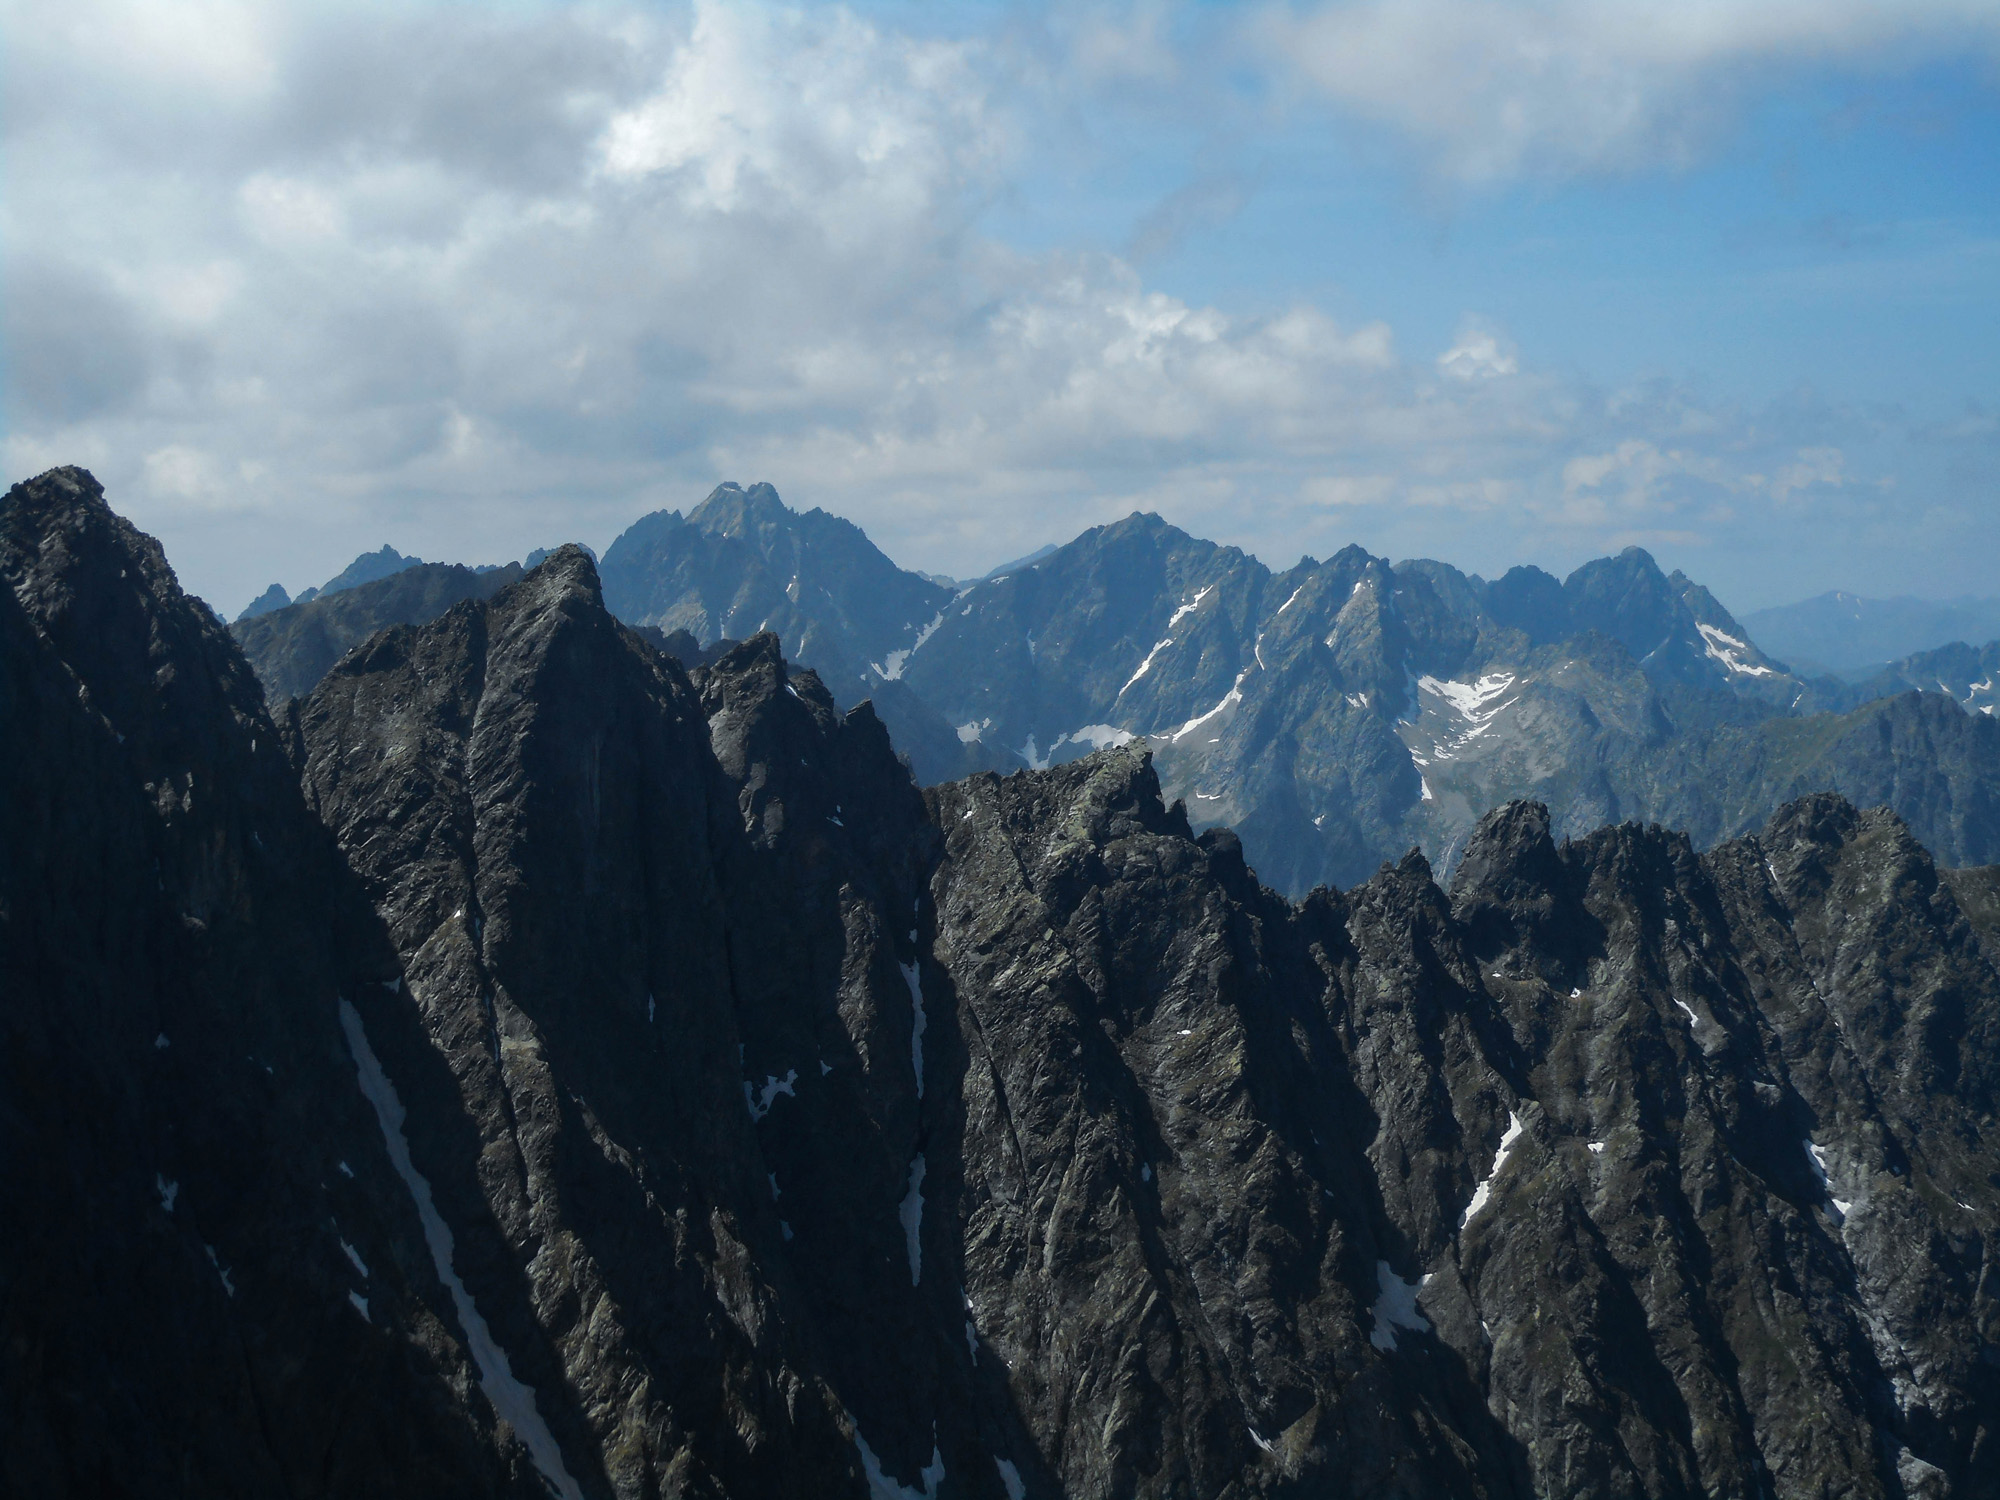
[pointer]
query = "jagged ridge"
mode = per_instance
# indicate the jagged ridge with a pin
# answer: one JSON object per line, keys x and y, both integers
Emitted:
{"x": 798, "y": 1132}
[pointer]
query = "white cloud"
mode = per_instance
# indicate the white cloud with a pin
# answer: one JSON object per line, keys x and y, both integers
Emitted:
{"x": 1480, "y": 353}
{"x": 472, "y": 281}
{"x": 1811, "y": 467}
{"x": 1494, "y": 89}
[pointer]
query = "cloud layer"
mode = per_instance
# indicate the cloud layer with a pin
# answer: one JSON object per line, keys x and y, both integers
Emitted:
{"x": 1490, "y": 90}
{"x": 298, "y": 279}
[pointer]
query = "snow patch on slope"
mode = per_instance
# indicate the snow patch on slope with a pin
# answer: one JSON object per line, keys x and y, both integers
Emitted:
{"x": 1146, "y": 665}
{"x": 1471, "y": 700}
{"x": 883, "y": 1487}
{"x": 1098, "y": 736}
{"x": 512, "y": 1400}
{"x": 761, "y": 1100}
{"x": 1816, "y": 1154}
{"x": 1229, "y": 700}
{"x": 1188, "y": 609}
{"x": 892, "y": 668}
{"x": 1395, "y": 1307}
{"x": 1728, "y": 650}
{"x": 1485, "y": 1189}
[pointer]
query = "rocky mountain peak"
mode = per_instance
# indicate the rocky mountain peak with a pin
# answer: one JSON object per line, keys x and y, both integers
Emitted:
{"x": 593, "y": 1077}
{"x": 1530, "y": 601}
{"x": 1510, "y": 860}
{"x": 732, "y": 510}
{"x": 569, "y": 570}
{"x": 1627, "y": 598}
{"x": 150, "y": 659}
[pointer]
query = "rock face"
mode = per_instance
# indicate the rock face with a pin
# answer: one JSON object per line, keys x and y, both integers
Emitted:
{"x": 291, "y": 647}
{"x": 743, "y": 562}
{"x": 212, "y": 1281}
{"x": 1333, "y": 715}
{"x": 757, "y": 1124}
{"x": 1964, "y": 672}
{"x": 1337, "y": 713}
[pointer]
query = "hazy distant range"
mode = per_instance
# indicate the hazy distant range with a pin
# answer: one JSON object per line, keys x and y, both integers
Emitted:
{"x": 1849, "y": 635}
{"x": 1843, "y": 634}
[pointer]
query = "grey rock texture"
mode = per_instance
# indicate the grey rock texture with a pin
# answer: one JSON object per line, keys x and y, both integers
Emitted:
{"x": 799, "y": 1132}
{"x": 1966, "y": 673}
{"x": 272, "y": 598}
{"x": 1333, "y": 715}
{"x": 192, "y": 1179}
{"x": 291, "y": 647}
{"x": 1340, "y": 712}
{"x": 383, "y": 562}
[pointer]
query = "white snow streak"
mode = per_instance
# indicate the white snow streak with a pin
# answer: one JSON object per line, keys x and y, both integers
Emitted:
{"x": 1395, "y": 1307}
{"x": 1229, "y": 700}
{"x": 511, "y": 1400}
{"x": 882, "y": 1487}
{"x": 1595, "y": 1148}
{"x": 915, "y": 981}
{"x": 760, "y": 1101}
{"x": 1097, "y": 736}
{"x": 355, "y": 1256}
{"x": 168, "y": 1191}
{"x": 1485, "y": 1188}
{"x": 1424, "y": 786}
{"x": 220, "y": 1269}
{"x": 892, "y": 668}
{"x": 1693, "y": 1019}
{"x": 360, "y": 1305}
{"x": 1470, "y": 699}
{"x": 1158, "y": 647}
{"x": 912, "y": 1215}
{"x": 1291, "y": 601}
{"x": 1817, "y": 1155}
{"x": 1725, "y": 648}
{"x": 1010, "y": 1479}
{"x": 1188, "y": 609}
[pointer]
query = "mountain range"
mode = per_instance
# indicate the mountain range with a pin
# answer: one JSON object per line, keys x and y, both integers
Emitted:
{"x": 1335, "y": 714}
{"x": 526, "y": 1064}
{"x": 1851, "y": 635}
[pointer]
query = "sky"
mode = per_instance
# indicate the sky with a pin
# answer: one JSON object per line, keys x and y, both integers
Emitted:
{"x": 1493, "y": 281}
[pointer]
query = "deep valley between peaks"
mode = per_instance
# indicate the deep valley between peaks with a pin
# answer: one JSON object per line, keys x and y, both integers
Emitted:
{"x": 532, "y": 1060}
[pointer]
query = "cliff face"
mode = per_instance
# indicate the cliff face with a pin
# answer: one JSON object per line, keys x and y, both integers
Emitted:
{"x": 727, "y": 1117}
{"x": 212, "y": 1280}
{"x": 292, "y": 646}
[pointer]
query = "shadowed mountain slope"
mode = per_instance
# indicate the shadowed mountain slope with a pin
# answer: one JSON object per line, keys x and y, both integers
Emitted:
{"x": 789, "y": 1130}
{"x": 292, "y": 647}
{"x": 212, "y": 1281}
